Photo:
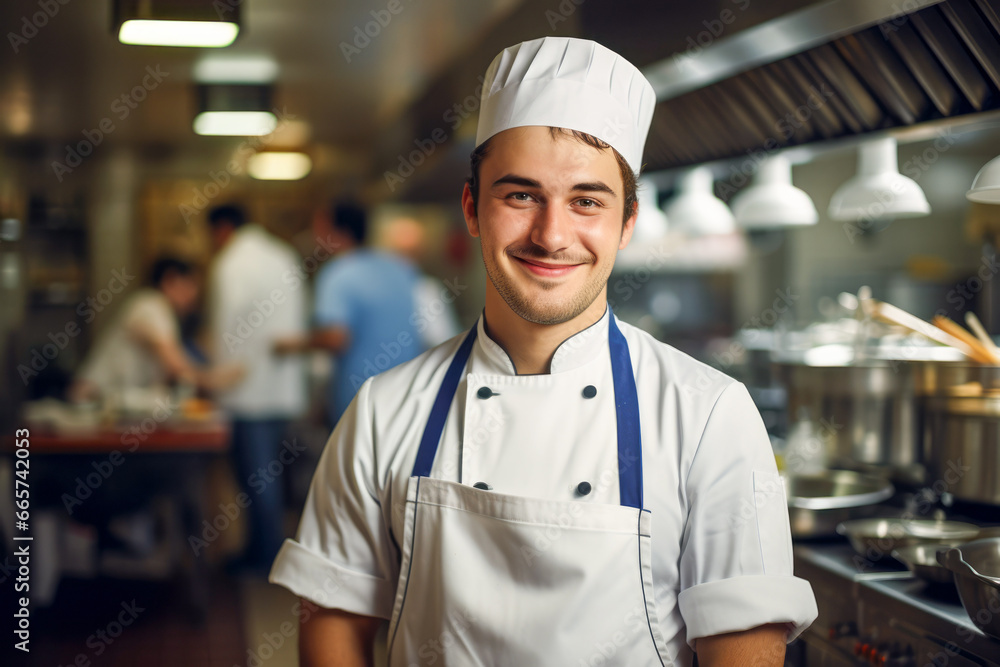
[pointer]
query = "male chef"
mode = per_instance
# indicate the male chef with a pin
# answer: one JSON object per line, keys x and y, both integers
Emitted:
{"x": 553, "y": 487}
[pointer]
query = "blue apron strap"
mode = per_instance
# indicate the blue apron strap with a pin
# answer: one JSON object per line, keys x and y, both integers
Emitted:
{"x": 627, "y": 416}
{"x": 442, "y": 404}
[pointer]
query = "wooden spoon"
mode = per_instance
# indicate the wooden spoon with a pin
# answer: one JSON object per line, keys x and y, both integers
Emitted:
{"x": 893, "y": 315}
{"x": 981, "y": 354}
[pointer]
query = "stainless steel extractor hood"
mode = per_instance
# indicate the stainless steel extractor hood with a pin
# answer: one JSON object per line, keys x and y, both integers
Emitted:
{"x": 734, "y": 77}
{"x": 827, "y": 71}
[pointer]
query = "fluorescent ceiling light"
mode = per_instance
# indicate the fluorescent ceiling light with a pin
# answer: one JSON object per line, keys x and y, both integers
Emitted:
{"x": 275, "y": 166}
{"x": 236, "y": 69}
{"x": 878, "y": 191}
{"x": 178, "y": 33}
{"x": 235, "y": 123}
{"x": 772, "y": 201}
{"x": 696, "y": 209}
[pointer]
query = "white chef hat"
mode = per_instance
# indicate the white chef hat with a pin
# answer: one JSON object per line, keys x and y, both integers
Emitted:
{"x": 572, "y": 83}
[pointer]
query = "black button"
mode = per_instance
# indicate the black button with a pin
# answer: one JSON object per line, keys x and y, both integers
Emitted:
{"x": 589, "y": 391}
{"x": 583, "y": 488}
{"x": 484, "y": 392}
{"x": 482, "y": 485}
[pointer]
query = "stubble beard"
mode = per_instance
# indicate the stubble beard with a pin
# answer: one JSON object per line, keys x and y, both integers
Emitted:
{"x": 543, "y": 312}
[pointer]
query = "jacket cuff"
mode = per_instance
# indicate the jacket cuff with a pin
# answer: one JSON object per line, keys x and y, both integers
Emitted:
{"x": 742, "y": 603}
{"x": 321, "y": 581}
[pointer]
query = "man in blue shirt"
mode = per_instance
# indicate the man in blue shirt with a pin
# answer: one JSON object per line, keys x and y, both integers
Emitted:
{"x": 363, "y": 309}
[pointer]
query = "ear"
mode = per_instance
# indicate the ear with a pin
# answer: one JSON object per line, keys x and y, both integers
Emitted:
{"x": 629, "y": 227}
{"x": 469, "y": 210}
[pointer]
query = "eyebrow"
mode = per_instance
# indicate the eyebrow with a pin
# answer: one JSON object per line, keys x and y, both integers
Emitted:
{"x": 513, "y": 179}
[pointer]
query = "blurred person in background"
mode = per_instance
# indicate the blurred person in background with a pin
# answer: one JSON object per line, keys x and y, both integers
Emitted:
{"x": 363, "y": 309}
{"x": 141, "y": 347}
{"x": 249, "y": 308}
{"x": 434, "y": 315}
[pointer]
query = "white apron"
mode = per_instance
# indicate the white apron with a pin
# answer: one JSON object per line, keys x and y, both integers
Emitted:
{"x": 492, "y": 579}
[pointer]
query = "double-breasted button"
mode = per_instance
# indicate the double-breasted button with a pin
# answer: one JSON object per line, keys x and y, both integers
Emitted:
{"x": 482, "y": 485}
{"x": 583, "y": 488}
{"x": 485, "y": 392}
{"x": 589, "y": 391}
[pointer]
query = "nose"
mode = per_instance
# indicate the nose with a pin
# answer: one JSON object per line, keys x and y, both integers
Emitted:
{"x": 552, "y": 229}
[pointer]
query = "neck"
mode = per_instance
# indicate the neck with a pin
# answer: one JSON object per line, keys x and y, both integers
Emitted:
{"x": 529, "y": 345}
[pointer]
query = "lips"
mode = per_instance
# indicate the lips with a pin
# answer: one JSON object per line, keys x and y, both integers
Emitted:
{"x": 545, "y": 269}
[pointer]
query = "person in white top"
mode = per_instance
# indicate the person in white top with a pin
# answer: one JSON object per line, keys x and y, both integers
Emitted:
{"x": 252, "y": 303}
{"x": 141, "y": 347}
{"x": 553, "y": 487}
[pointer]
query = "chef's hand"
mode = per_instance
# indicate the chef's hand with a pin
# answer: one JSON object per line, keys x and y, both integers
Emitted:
{"x": 762, "y": 646}
{"x": 336, "y": 638}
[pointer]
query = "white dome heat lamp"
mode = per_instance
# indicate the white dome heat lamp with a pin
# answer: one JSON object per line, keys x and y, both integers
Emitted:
{"x": 696, "y": 210}
{"x": 878, "y": 191}
{"x": 772, "y": 201}
{"x": 986, "y": 185}
{"x": 652, "y": 222}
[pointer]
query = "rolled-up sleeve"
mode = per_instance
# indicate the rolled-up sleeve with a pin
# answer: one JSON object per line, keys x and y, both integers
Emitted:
{"x": 342, "y": 556}
{"x": 736, "y": 551}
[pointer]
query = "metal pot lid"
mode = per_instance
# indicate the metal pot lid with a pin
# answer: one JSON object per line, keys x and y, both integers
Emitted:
{"x": 931, "y": 529}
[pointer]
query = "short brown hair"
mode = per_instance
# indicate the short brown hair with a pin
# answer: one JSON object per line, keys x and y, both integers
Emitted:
{"x": 628, "y": 176}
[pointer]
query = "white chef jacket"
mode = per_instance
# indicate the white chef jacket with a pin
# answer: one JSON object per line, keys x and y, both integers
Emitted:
{"x": 256, "y": 297}
{"x": 722, "y": 556}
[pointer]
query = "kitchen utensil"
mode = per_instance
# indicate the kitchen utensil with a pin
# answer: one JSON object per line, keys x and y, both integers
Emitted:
{"x": 921, "y": 560}
{"x": 818, "y": 503}
{"x": 977, "y": 575}
{"x": 982, "y": 354}
{"x": 875, "y": 539}
{"x": 889, "y": 313}
{"x": 980, "y": 331}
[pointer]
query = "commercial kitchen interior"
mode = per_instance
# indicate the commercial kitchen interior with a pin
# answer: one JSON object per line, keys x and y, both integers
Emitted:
{"x": 101, "y": 171}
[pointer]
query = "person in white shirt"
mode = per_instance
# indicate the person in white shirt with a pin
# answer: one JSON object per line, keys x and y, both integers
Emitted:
{"x": 251, "y": 305}
{"x": 141, "y": 347}
{"x": 553, "y": 487}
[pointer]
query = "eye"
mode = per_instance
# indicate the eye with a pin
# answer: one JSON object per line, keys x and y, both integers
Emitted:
{"x": 588, "y": 203}
{"x": 519, "y": 196}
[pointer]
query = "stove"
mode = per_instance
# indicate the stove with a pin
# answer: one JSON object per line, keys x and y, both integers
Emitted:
{"x": 879, "y": 614}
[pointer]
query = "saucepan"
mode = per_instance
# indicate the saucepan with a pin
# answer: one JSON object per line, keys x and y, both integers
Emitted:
{"x": 874, "y": 539}
{"x": 977, "y": 575}
{"x": 818, "y": 503}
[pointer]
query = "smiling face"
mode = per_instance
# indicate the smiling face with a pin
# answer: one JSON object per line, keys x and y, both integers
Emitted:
{"x": 549, "y": 217}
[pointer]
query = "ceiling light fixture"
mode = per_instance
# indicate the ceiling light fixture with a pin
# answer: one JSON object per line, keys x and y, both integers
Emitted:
{"x": 696, "y": 210}
{"x": 652, "y": 222}
{"x": 878, "y": 191}
{"x": 234, "y": 110}
{"x": 223, "y": 68}
{"x": 279, "y": 166}
{"x": 986, "y": 184}
{"x": 176, "y": 22}
{"x": 772, "y": 201}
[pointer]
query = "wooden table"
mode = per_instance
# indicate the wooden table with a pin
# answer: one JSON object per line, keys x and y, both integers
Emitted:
{"x": 168, "y": 460}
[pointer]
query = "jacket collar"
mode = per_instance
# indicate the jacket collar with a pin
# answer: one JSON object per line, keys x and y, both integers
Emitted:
{"x": 579, "y": 349}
